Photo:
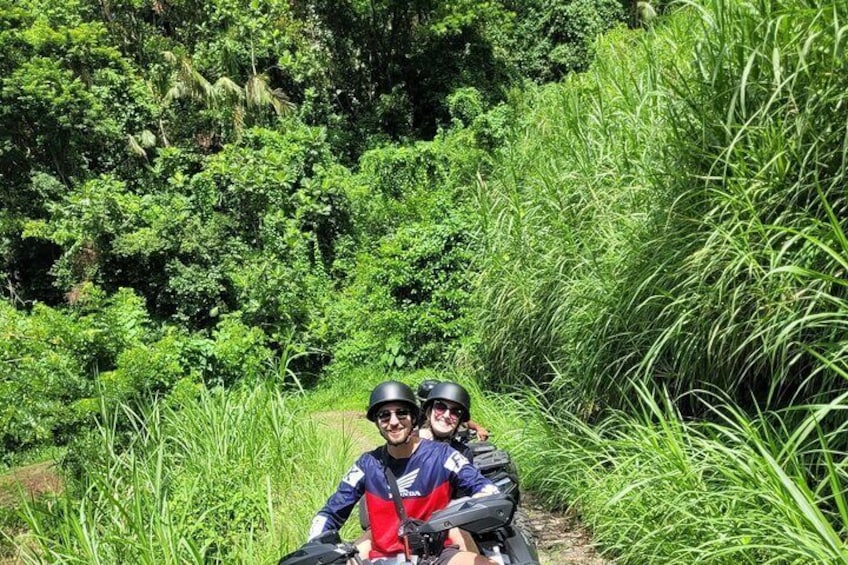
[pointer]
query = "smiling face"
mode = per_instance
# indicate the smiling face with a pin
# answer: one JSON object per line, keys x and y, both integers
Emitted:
{"x": 394, "y": 420}
{"x": 444, "y": 417}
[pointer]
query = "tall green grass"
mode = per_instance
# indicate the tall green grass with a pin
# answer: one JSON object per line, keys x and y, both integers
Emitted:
{"x": 229, "y": 476}
{"x": 571, "y": 201}
{"x": 674, "y": 219}
{"x": 656, "y": 488}
{"x": 677, "y": 213}
{"x": 752, "y": 265}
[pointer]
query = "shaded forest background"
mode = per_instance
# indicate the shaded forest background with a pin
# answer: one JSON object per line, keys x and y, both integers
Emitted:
{"x": 212, "y": 191}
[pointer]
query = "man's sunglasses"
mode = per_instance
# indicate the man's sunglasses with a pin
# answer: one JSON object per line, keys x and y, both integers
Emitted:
{"x": 386, "y": 415}
{"x": 440, "y": 407}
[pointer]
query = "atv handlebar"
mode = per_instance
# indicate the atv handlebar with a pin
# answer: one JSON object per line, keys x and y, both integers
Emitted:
{"x": 323, "y": 550}
{"x": 475, "y": 515}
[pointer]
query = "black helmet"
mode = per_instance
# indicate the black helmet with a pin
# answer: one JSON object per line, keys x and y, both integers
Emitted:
{"x": 391, "y": 391}
{"x": 424, "y": 389}
{"x": 453, "y": 392}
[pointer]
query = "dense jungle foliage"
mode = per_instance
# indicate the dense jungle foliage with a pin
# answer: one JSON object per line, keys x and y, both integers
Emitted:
{"x": 625, "y": 221}
{"x": 193, "y": 191}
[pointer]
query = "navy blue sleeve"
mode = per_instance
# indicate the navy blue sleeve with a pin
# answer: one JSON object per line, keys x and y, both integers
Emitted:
{"x": 339, "y": 506}
{"x": 463, "y": 448}
{"x": 465, "y": 476}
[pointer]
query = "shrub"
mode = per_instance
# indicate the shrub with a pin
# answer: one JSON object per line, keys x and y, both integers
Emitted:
{"x": 407, "y": 268}
{"x": 49, "y": 361}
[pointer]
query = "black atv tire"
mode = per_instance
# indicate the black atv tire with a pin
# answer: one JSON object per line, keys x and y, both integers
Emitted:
{"x": 521, "y": 522}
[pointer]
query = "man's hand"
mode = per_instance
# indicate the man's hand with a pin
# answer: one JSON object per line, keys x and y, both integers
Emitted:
{"x": 482, "y": 433}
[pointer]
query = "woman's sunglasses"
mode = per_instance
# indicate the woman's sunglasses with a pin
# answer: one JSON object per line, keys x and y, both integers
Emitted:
{"x": 386, "y": 415}
{"x": 440, "y": 408}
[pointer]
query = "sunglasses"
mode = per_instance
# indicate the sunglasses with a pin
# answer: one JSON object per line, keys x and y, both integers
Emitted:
{"x": 440, "y": 408}
{"x": 386, "y": 415}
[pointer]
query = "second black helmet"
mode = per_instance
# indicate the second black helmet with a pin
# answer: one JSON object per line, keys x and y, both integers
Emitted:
{"x": 453, "y": 392}
{"x": 424, "y": 389}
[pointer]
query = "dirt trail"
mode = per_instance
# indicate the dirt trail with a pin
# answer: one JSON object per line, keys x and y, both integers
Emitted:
{"x": 560, "y": 538}
{"x": 36, "y": 479}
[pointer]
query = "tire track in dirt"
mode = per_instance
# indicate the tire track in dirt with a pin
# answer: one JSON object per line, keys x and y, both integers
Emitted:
{"x": 560, "y": 537}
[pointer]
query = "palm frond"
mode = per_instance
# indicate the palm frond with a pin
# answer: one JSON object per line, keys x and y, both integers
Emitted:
{"x": 260, "y": 94}
{"x": 135, "y": 147}
{"x": 227, "y": 89}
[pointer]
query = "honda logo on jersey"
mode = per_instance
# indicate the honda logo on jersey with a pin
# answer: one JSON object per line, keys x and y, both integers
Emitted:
{"x": 405, "y": 482}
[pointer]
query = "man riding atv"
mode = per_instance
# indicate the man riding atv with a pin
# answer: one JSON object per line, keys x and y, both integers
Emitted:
{"x": 428, "y": 473}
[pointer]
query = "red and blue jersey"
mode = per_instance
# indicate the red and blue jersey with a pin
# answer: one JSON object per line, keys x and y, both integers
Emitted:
{"x": 427, "y": 481}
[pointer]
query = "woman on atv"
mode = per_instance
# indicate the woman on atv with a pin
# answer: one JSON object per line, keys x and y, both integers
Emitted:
{"x": 445, "y": 409}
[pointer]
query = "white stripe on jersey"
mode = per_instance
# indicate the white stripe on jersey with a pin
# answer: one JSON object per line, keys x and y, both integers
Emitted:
{"x": 456, "y": 462}
{"x": 353, "y": 476}
{"x": 317, "y": 527}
